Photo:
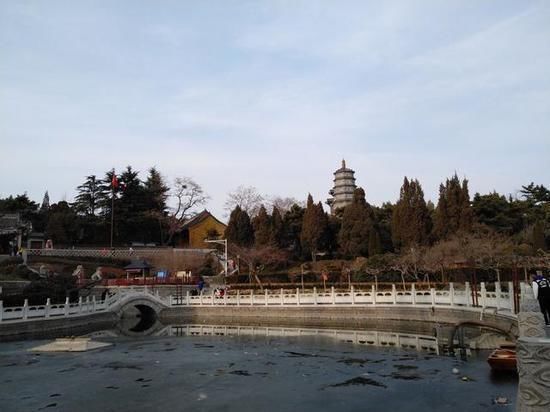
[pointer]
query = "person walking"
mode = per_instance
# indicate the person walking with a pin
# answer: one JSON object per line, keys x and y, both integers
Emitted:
{"x": 541, "y": 290}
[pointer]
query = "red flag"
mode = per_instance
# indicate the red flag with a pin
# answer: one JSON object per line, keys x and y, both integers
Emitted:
{"x": 114, "y": 182}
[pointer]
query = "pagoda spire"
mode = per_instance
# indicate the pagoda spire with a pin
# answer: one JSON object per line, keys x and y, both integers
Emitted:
{"x": 343, "y": 163}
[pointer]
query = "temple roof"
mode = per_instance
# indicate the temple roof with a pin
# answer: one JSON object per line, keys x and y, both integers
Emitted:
{"x": 195, "y": 220}
{"x": 138, "y": 264}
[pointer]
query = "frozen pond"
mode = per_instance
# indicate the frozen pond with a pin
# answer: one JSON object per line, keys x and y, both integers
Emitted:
{"x": 246, "y": 373}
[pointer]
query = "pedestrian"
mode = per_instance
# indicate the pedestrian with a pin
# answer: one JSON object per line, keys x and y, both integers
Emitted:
{"x": 541, "y": 290}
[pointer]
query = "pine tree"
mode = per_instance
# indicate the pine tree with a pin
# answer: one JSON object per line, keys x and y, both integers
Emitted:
{"x": 454, "y": 211}
{"x": 357, "y": 223}
{"x": 314, "y": 235}
{"x": 156, "y": 191}
{"x": 239, "y": 230}
{"x": 375, "y": 244}
{"x": 262, "y": 227}
{"x": 87, "y": 199}
{"x": 411, "y": 221}
{"x": 537, "y": 236}
{"x": 277, "y": 229}
{"x": 45, "y": 202}
{"x": 155, "y": 197}
{"x": 292, "y": 229}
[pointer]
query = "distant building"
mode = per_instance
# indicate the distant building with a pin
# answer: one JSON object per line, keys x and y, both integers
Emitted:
{"x": 200, "y": 227}
{"x": 344, "y": 186}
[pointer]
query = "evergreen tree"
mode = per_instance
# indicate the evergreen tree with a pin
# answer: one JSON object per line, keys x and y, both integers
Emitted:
{"x": 292, "y": 227}
{"x": 45, "y": 202}
{"x": 537, "y": 235}
{"x": 277, "y": 229}
{"x": 454, "y": 212}
{"x": 314, "y": 235}
{"x": 239, "y": 230}
{"x": 357, "y": 224}
{"x": 131, "y": 208}
{"x": 383, "y": 216}
{"x": 87, "y": 199}
{"x": 155, "y": 197}
{"x": 375, "y": 244}
{"x": 156, "y": 191}
{"x": 262, "y": 227}
{"x": 498, "y": 213}
{"x": 62, "y": 226}
{"x": 411, "y": 222}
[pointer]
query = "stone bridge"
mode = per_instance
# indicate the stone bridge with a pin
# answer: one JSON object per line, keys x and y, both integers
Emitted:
{"x": 148, "y": 304}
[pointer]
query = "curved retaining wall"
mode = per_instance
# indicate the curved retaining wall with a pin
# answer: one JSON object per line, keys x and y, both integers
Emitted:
{"x": 341, "y": 316}
{"x": 56, "y": 327}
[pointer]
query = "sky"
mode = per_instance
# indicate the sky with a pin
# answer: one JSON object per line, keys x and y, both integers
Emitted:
{"x": 274, "y": 94}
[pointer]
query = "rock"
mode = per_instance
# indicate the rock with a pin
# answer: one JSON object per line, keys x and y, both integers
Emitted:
{"x": 455, "y": 371}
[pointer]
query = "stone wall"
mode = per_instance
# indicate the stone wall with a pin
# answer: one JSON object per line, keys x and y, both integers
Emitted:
{"x": 426, "y": 318}
{"x": 56, "y": 327}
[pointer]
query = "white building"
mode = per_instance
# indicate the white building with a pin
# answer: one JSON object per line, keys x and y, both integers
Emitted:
{"x": 344, "y": 186}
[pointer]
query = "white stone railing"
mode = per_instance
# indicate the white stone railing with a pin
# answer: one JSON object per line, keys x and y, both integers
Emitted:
{"x": 126, "y": 253}
{"x": 499, "y": 301}
{"x": 49, "y": 310}
{"x": 451, "y": 297}
{"x": 363, "y": 337}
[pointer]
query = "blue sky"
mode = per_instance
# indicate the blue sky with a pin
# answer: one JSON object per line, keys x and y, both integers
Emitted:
{"x": 274, "y": 94}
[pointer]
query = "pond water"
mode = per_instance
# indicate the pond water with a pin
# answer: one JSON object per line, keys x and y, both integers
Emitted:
{"x": 207, "y": 368}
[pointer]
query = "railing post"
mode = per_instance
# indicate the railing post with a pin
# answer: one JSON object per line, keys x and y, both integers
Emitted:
{"x": 394, "y": 293}
{"x": 452, "y": 293}
{"x": 468, "y": 294}
{"x": 483, "y": 295}
{"x": 93, "y": 303}
{"x": 413, "y": 294}
{"x": 432, "y": 293}
{"x": 282, "y": 297}
{"x": 200, "y": 298}
{"x": 333, "y": 295}
{"x": 66, "y": 308}
{"x": 266, "y": 298}
{"x": 87, "y": 303}
{"x": 1, "y": 310}
{"x": 187, "y": 298}
{"x": 511, "y": 296}
{"x": 314, "y": 295}
{"x": 225, "y": 297}
{"x": 352, "y": 294}
{"x": 47, "y": 308}
{"x": 373, "y": 289}
{"x": 80, "y": 304}
{"x": 298, "y": 296}
{"x": 213, "y": 297}
{"x": 498, "y": 292}
{"x": 251, "y": 297}
{"x": 25, "y": 308}
{"x": 238, "y": 297}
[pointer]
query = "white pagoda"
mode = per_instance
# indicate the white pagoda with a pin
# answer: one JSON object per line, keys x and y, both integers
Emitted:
{"x": 344, "y": 186}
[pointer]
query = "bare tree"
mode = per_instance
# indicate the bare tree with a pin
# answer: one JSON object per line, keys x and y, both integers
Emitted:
{"x": 260, "y": 258}
{"x": 188, "y": 195}
{"x": 247, "y": 198}
{"x": 283, "y": 203}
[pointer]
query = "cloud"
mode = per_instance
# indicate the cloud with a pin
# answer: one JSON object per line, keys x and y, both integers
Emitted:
{"x": 274, "y": 95}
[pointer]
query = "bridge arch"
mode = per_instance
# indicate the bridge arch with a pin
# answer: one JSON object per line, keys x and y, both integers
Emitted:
{"x": 146, "y": 304}
{"x": 507, "y": 332}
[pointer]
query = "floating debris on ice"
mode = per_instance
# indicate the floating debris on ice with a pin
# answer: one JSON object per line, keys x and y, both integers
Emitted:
{"x": 70, "y": 345}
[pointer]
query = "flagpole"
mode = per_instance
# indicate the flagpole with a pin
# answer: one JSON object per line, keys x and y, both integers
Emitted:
{"x": 112, "y": 205}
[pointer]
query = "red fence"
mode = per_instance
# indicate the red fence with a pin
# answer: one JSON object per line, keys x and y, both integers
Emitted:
{"x": 150, "y": 281}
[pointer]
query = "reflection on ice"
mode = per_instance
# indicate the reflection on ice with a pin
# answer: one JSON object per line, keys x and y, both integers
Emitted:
{"x": 360, "y": 337}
